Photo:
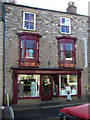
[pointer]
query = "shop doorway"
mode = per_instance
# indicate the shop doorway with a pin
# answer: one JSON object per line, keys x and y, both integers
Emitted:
{"x": 46, "y": 87}
{"x": 49, "y": 87}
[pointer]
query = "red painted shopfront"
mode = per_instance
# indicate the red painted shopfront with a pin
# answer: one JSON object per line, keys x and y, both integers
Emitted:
{"x": 45, "y": 83}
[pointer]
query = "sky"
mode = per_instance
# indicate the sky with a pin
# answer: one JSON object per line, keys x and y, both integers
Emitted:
{"x": 59, "y": 5}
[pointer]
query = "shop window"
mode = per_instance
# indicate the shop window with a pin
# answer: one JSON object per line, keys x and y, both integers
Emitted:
{"x": 65, "y": 25}
{"x": 55, "y": 86}
{"x": 66, "y": 51}
{"x": 29, "y": 49}
{"x": 67, "y": 83}
{"x": 29, "y": 20}
{"x": 28, "y": 86}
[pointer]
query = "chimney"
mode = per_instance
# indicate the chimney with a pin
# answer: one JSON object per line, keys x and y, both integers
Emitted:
{"x": 71, "y": 8}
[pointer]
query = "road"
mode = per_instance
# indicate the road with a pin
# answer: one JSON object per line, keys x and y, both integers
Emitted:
{"x": 47, "y": 111}
{"x": 42, "y": 113}
{"x": 37, "y": 114}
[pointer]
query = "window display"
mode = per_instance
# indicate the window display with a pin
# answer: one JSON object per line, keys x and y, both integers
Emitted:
{"x": 30, "y": 45}
{"x": 28, "y": 86}
{"x": 67, "y": 83}
{"x": 55, "y": 86}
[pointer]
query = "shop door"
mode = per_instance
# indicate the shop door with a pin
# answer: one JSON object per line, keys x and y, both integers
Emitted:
{"x": 46, "y": 87}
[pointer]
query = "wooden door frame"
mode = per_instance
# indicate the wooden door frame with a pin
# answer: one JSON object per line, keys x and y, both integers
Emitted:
{"x": 50, "y": 76}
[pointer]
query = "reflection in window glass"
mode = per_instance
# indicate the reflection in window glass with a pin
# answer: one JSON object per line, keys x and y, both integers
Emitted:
{"x": 61, "y": 51}
{"x": 28, "y": 85}
{"x": 65, "y": 25}
{"x": 22, "y": 53}
{"x": 27, "y": 24}
{"x": 55, "y": 85}
{"x": 68, "y": 51}
{"x": 68, "y": 83}
{"x": 30, "y": 43}
{"x": 22, "y": 49}
{"x": 31, "y": 25}
{"x": 29, "y": 21}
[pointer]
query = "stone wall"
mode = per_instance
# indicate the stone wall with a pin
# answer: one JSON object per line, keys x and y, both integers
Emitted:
{"x": 48, "y": 25}
{"x": 1, "y": 62}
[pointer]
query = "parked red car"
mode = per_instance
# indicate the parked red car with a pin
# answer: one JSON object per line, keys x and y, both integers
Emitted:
{"x": 81, "y": 112}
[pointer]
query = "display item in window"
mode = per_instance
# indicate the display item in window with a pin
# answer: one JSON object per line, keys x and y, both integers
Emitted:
{"x": 33, "y": 89}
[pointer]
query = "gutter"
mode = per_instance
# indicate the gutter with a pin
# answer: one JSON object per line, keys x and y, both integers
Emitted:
{"x": 3, "y": 54}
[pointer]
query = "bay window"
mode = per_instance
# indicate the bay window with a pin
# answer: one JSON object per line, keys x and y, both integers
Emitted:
{"x": 29, "y": 49}
{"x": 66, "y": 49}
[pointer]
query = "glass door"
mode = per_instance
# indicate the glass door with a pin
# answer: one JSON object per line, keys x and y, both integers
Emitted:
{"x": 46, "y": 89}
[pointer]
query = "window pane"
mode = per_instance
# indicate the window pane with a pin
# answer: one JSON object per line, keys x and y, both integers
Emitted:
{"x": 27, "y": 24}
{"x": 22, "y": 43}
{"x": 55, "y": 85}
{"x": 31, "y": 17}
{"x": 68, "y": 46}
{"x": 62, "y": 55}
{"x": 61, "y": 47}
{"x": 32, "y": 25}
{"x": 65, "y": 21}
{"x": 22, "y": 53}
{"x": 28, "y": 85}
{"x": 68, "y": 51}
{"x": 67, "y": 29}
{"x": 26, "y": 16}
{"x": 30, "y": 43}
{"x": 61, "y": 52}
{"x": 68, "y": 55}
{"x": 63, "y": 28}
{"x": 29, "y": 53}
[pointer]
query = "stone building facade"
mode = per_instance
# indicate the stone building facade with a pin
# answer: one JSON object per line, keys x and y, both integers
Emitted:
{"x": 89, "y": 50}
{"x": 47, "y": 66}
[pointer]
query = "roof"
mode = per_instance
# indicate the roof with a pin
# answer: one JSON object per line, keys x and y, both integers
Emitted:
{"x": 18, "y": 5}
{"x": 81, "y": 111}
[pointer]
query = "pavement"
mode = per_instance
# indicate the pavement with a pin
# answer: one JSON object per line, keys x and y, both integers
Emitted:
{"x": 50, "y": 104}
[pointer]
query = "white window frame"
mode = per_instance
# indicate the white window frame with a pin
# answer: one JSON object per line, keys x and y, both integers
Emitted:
{"x": 64, "y": 92}
{"x": 29, "y": 21}
{"x": 61, "y": 24}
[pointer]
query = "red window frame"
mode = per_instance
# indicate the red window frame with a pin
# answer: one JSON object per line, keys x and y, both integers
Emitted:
{"x": 29, "y": 36}
{"x": 64, "y": 40}
{"x": 35, "y": 49}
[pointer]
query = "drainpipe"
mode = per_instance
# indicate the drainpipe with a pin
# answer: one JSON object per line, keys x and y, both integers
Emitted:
{"x": 4, "y": 54}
